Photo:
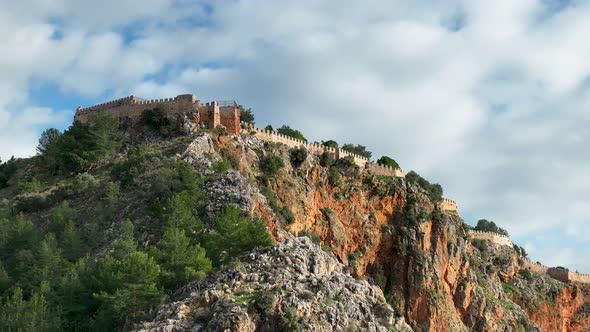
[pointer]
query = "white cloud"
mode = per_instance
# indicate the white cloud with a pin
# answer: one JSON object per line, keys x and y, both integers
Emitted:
{"x": 495, "y": 111}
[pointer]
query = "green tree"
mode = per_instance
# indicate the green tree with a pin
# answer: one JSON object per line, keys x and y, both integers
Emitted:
{"x": 48, "y": 139}
{"x": 234, "y": 233}
{"x": 361, "y": 150}
{"x": 7, "y": 169}
{"x": 435, "y": 190}
{"x": 294, "y": 133}
{"x": 182, "y": 262}
{"x": 485, "y": 225}
{"x": 84, "y": 144}
{"x": 297, "y": 156}
{"x": 387, "y": 161}
{"x": 330, "y": 144}
{"x": 246, "y": 115}
{"x": 181, "y": 213}
{"x": 35, "y": 314}
{"x": 269, "y": 127}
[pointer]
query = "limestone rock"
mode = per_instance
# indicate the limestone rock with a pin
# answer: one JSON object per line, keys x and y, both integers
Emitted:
{"x": 293, "y": 285}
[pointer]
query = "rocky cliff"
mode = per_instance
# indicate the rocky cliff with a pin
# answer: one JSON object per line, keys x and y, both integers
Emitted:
{"x": 355, "y": 251}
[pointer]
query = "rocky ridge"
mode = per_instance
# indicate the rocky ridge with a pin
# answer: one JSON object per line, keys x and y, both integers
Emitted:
{"x": 294, "y": 286}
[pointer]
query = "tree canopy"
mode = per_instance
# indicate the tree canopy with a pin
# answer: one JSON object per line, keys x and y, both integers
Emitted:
{"x": 485, "y": 225}
{"x": 387, "y": 161}
{"x": 246, "y": 115}
{"x": 288, "y": 131}
{"x": 361, "y": 150}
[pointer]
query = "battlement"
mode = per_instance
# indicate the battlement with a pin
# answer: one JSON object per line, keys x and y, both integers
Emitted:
{"x": 379, "y": 169}
{"x": 211, "y": 114}
{"x": 448, "y": 205}
{"x": 496, "y": 238}
{"x": 318, "y": 149}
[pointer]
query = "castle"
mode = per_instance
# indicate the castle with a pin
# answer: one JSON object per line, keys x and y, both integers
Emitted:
{"x": 227, "y": 114}
{"x": 211, "y": 114}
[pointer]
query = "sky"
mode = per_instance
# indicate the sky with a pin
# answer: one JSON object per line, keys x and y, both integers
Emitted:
{"x": 488, "y": 98}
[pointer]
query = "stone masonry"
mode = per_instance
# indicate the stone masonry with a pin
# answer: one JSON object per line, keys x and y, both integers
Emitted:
{"x": 210, "y": 114}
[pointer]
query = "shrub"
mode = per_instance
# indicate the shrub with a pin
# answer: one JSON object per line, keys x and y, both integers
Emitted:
{"x": 158, "y": 119}
{"x": 326, "y": 159}
{"x": 287, "y": 215}
{"x": 222, "y": 166}
{"x": 526, "y": 273}
{"x": 270, "y": 165}
{"x": 298, "y": 156}
{"x": 313, "y": 236}
{"x": 31, "y": 202}
{"x": 334, "y": 176}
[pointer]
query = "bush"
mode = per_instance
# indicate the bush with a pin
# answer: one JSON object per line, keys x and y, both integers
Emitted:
{"x": 31, "y": 202}
{"x": 158, "y": 119}
{"x": 222, "y": 166}
{"x": 298, "y": 156}
{"x": 334, "y": 176}
{"x": 326, "y": 159}
{"x": 270, "y": 165}
{"x": 526, "y": 273}
{"x": 286, "y": 214}
{"x": 313, "y": 236}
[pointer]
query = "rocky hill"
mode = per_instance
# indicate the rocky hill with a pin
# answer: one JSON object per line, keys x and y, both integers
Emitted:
{"x": 171, "y": 228}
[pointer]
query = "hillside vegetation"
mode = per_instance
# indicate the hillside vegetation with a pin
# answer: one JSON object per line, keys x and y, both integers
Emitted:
{"x": 159, "y": 224}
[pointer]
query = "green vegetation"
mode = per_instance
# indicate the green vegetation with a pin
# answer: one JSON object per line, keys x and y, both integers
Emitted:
{"x": 159, "y": 120}
{"x": 327, "y": 159}
{"x": 297, "y": 156}
{"x": 361, "y": 150}
{"x": 294, "y": 133}
{"x": 434, "y": 190}
{"x": 7, "y": 169}
{"x": 485, "y": 225}
{"x": 82, "y": 146}
{"x": 387, "y": 161}
{"x": 83, "y": 264}
{"x": 246, "y": 115}
{"x": 330, "y": 144}
{"x": 270, "y": 165}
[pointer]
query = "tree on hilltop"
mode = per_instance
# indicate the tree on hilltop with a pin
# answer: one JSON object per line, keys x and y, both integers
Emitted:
{"x": 48, "y": 139}
{"x": 330, "y": 144}
{"x": 246, "y": 115}
{"x": 387, "y": 161}
{"x": 485, "y": 225}
{"x": 288, "y": 131}
{"x": 361, "y": 150}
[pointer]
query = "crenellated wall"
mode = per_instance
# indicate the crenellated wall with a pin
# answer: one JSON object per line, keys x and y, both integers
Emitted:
{"x": 490, "y": 236}
{"x": 536, "y": 267}
{"x": 449, "y": 205}
{"x": 318, "y": 149}
{"x": 210, "y": 114}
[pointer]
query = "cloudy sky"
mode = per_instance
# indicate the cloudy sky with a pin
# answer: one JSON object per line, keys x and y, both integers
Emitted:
{"x": 489, "y": 98}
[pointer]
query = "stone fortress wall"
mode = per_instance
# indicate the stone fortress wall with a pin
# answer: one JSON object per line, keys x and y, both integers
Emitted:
{"x": 210, "y": 114}
{"x": 558, "y": 273}
{"x": 496, "y": 238}
{"x": 448, "y": 205}
{"x": 318, "y": 149}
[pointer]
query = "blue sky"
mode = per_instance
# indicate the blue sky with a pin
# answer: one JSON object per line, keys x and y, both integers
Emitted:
{"x": 490, "y": 99}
